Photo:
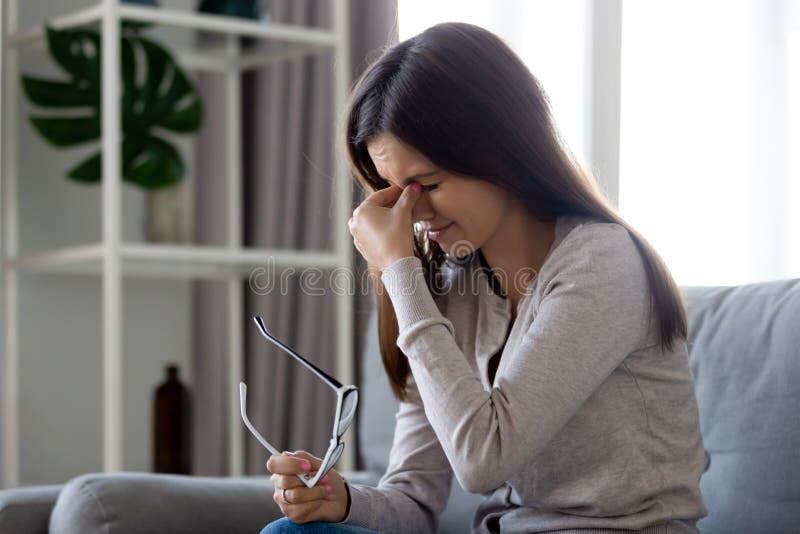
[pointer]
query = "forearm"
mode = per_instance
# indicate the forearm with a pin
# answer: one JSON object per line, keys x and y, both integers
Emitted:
{"x": 388, "y": 510}
{"x": 462, "y": 413}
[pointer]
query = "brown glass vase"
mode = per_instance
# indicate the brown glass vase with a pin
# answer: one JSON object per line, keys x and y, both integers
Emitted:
{"x": 171, "y": 425}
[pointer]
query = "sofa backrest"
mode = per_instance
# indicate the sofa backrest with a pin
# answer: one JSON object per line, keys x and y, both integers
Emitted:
{"x": 744, "y": 353}
{"x": 377, "y": 405}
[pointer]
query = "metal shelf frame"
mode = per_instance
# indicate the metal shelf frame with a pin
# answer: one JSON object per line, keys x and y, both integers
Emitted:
{"x": 112, "y": 259}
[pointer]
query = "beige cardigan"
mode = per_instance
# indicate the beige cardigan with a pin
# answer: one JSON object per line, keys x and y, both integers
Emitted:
{"x": 588, "y": 424}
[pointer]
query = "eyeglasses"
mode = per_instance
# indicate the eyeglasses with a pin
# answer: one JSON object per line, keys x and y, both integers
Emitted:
{"x": 346, "y": 403}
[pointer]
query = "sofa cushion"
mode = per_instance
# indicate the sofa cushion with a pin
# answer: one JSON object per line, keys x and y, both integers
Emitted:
{"x": 128, "y": 503}
{"x": 744, "y": 352}
{"x": 27, "y": 509}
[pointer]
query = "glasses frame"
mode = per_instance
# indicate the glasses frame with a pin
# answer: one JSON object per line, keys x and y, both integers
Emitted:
{"x": 336, "y": 445}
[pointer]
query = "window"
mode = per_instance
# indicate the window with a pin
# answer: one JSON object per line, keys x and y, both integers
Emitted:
{"x": 705, "y": 169}
{"x": 533, "y": 29}
{"x": 709, "y": 120}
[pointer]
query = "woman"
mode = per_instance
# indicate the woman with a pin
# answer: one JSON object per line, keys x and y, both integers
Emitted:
{"x": 536, "y": 341}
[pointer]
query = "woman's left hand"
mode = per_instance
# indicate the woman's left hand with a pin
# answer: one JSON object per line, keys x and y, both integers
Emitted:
{"x": 381, "y": 225}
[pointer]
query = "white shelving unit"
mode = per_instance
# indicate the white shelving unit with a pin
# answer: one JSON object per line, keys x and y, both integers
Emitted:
{"x": 113, "y": 259}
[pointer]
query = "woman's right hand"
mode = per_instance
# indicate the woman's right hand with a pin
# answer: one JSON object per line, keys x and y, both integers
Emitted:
{"x": 326, "y": 501}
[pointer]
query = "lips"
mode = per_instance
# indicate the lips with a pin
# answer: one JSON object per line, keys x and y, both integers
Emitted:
{"x": 439, "y": 229}
{"x": 437, "y": 232}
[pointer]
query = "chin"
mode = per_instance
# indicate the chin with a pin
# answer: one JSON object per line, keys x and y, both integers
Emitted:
{"x": 458, "y": 248}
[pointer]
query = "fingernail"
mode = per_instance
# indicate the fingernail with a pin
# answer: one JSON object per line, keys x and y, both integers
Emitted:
{"x": 324, "y": 479}
{"x": 328, "y": 489}
{"x": 417, "y": 187}
{"x": 306, "y": 465}
{"x": 289, "y": 453}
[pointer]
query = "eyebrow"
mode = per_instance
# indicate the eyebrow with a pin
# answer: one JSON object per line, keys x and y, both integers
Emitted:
{"x": 415, "y": 177}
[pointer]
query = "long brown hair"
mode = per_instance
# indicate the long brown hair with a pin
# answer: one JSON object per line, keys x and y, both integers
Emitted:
{"x": 460, "y": 96}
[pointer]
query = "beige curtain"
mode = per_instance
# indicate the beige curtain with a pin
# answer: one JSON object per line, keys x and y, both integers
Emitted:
{"x": 287, "y": 165}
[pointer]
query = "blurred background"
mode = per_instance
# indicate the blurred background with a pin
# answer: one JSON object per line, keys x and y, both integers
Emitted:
{"x": 687, "y": 113}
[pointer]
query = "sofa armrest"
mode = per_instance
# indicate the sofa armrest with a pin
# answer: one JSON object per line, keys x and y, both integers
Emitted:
{"x": 131, "y": 502}
{"x": 175, "y": 504}
{"x": 27, "y": 509}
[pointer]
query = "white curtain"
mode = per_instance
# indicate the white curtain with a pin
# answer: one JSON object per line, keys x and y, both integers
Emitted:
{"x": 287, "y": 164}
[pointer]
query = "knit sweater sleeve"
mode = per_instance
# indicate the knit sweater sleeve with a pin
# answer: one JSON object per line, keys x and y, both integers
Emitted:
{"x": 589, "y": 318}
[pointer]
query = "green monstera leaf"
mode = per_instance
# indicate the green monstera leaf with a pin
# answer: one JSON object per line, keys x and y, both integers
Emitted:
{"x": 161, "y": 97}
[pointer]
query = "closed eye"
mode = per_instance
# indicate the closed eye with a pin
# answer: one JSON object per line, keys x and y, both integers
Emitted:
{"x": 430, "y": 187}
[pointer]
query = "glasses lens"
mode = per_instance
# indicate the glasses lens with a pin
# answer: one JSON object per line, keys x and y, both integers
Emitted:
{"x": 332, "y": 459}
{"x": 349, "y": 403}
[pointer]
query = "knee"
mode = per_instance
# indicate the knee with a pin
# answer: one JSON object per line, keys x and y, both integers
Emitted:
{"x": 284, "y": 525}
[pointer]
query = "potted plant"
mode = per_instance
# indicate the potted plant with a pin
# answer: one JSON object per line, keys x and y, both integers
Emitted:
{"x": 156, "y": 96}
{"x": 166, "y": 99}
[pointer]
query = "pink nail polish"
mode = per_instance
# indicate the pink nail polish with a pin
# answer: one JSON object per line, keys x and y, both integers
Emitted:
{"x": 324, "y": 479}
{"x": 417, "y": 187}
{"x": 306, "y": 465}
{"x": 328, "y": 489}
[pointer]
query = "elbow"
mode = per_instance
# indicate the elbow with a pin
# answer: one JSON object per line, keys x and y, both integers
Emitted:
{"x": 481, "y": 469}
{"x": 485, "y": 469}
{"x": 479, "y": 478}
{"x": 485, "y": 451}
{"x": 471, "y": 486}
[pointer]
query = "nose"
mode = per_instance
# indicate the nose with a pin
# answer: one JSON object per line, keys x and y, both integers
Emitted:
{"x": 423, "y": 209}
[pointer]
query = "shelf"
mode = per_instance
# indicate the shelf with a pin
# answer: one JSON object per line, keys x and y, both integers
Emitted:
{"x": 198, "y": 41}
{"x": 75, "y": 19}
{"x": 289, "y": 41}
{"x": 219, "y": 62}
{"x": 173, "y": 261}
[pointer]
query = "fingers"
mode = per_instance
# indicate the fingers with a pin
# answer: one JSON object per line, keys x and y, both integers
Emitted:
{"x": 301, "y": 512}
{"x": 302, "y": 495}
{"x": 409, "y": 197}
{"x": 288, "y": 464}
{"x": 385, "y": 196}
{"x": 390, "y": 197}
{"x": 316, "y": 463}
{"x": 285, "y": 467}
{"x": 297, "y": 501}
{"x": 286, "y": 481}
{"x": 291, "y": 481}
{"x": 350, "y": 225}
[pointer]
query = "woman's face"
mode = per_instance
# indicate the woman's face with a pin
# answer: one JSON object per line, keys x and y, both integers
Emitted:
{"x": 468, "y": 211}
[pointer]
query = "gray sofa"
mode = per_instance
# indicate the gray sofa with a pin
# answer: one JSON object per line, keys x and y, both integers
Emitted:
{"x": 745, "y": 356}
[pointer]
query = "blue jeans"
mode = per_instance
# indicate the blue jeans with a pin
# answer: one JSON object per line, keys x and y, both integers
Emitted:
{"x": 284, "y": 525}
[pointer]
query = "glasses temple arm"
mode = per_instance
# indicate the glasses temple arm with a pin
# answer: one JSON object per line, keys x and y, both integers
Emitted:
{"x": 313, "y": 368}
{"x": 306, "y": 479}
{"x": 259, "y": 437}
